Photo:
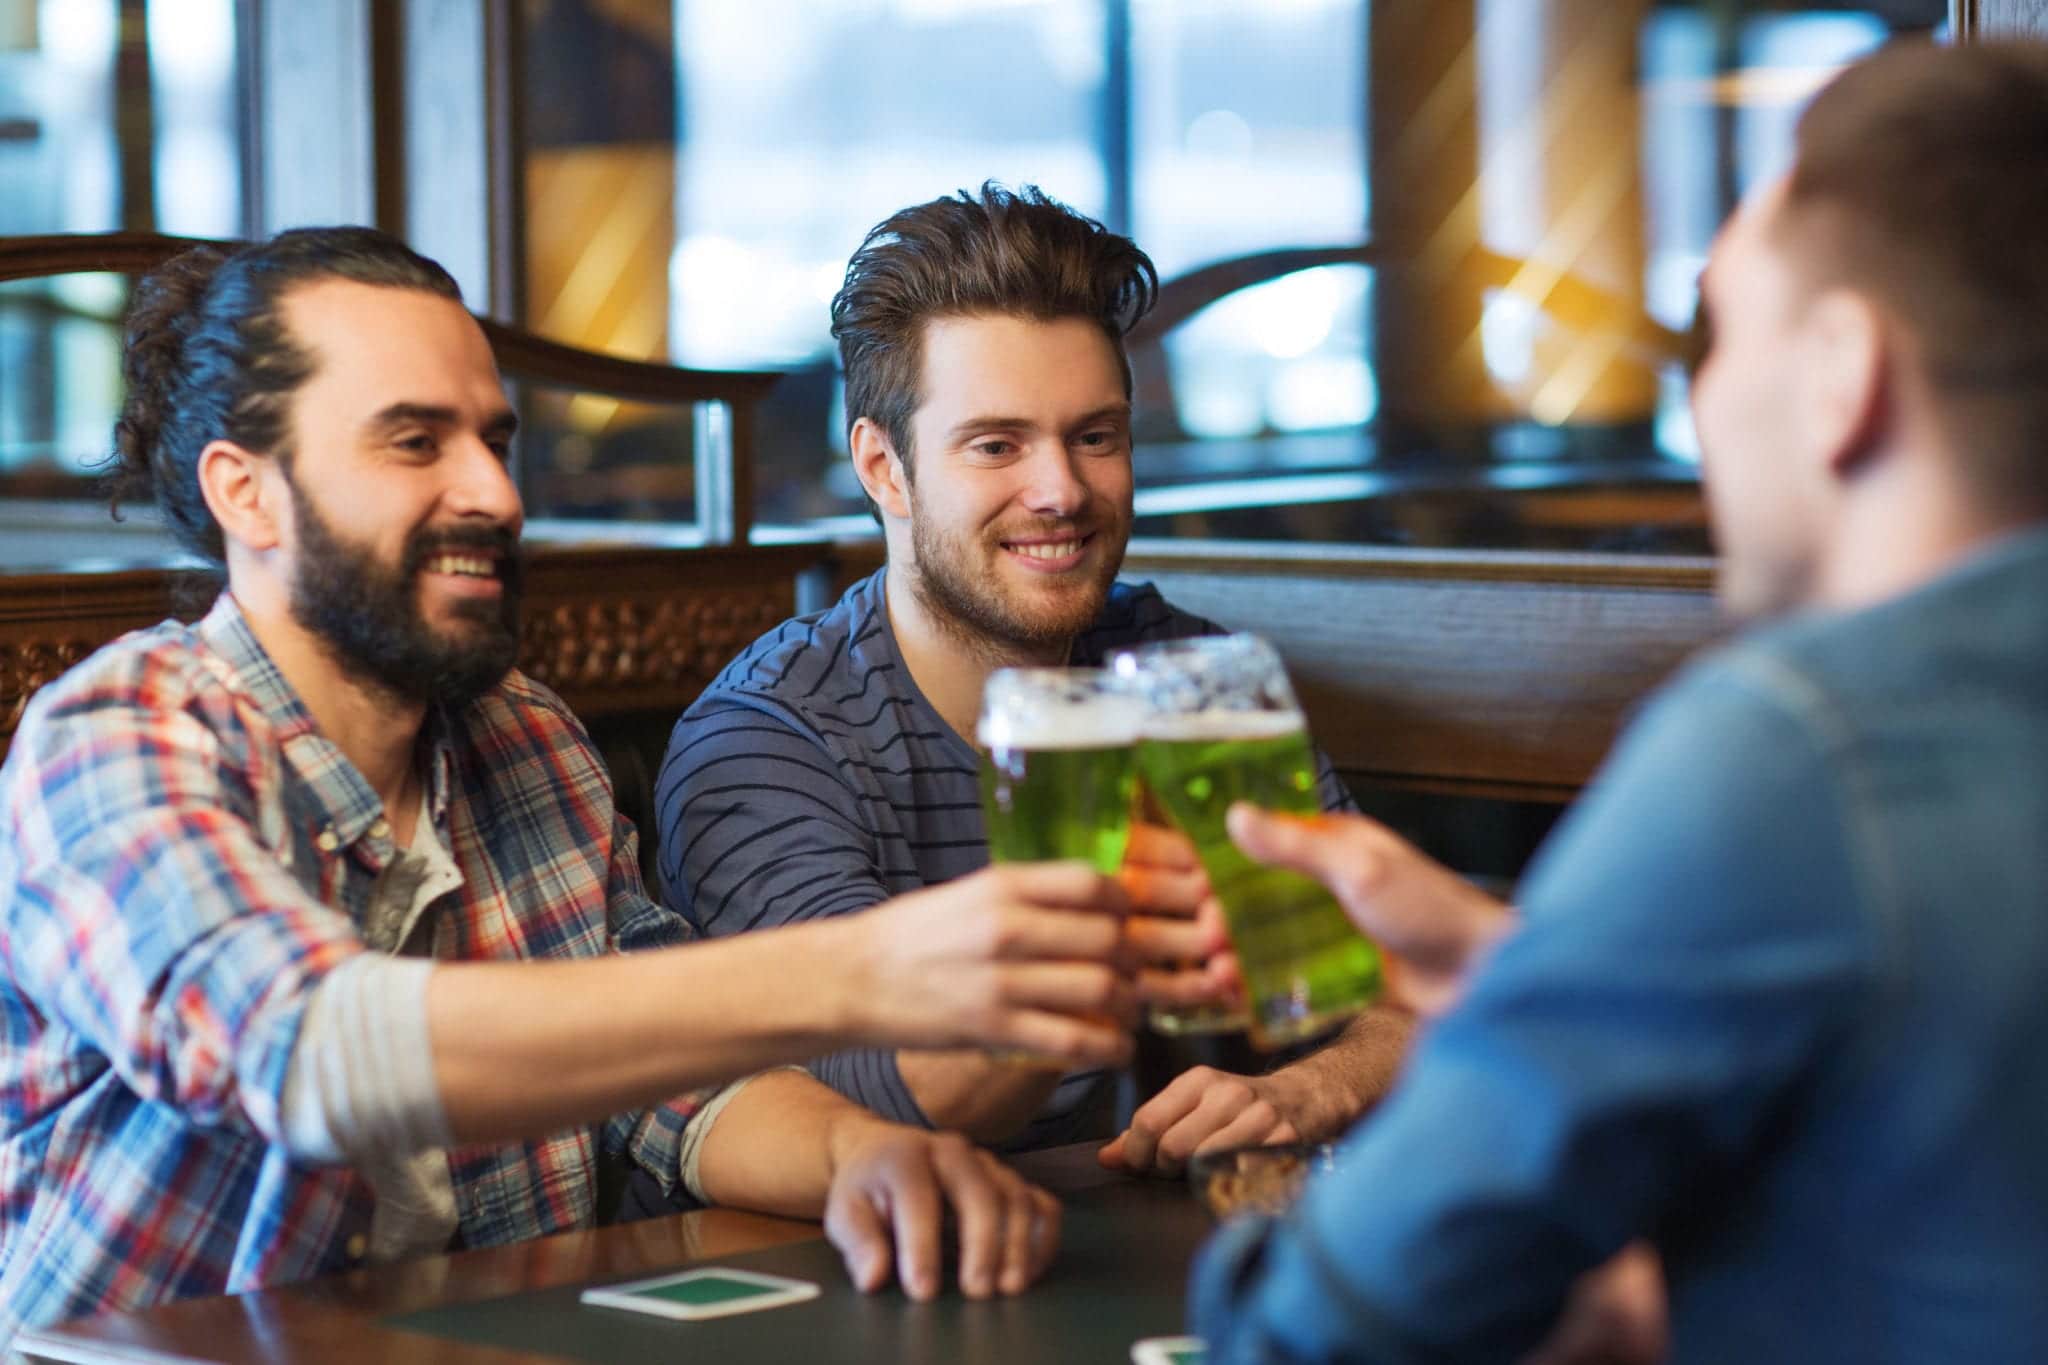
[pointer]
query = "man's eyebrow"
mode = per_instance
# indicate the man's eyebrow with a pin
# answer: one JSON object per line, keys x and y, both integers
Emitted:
{"x": 998, "y": 422}
{"x": 500, "y": 423}
{"x": 985, "y": 422}
{"x": 1121, "y": 408}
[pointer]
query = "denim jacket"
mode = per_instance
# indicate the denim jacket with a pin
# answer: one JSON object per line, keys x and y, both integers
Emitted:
{"x": 1779, "y": 1006}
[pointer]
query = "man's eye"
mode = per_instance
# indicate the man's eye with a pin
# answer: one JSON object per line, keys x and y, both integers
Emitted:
{"x": 418, "y": 443}
{"x": 993, "y": 449}
{"x": 1097, "y": 440}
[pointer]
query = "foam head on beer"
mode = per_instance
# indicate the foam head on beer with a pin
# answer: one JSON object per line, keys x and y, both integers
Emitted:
{"x": 1051, "y": 708}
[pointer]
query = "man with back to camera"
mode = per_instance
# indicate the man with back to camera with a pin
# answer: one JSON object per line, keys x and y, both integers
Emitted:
{"x": 1776, "y": 998}
{"x": 829, "y": 767}
{"x": 311, "y": 913}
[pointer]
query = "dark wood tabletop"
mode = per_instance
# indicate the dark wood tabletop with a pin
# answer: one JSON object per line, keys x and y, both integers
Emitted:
{"x": 1124, "y": 1257}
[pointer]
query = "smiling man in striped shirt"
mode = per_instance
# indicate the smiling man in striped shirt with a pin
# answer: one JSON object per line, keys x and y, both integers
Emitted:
{"x": 827, "y": 770}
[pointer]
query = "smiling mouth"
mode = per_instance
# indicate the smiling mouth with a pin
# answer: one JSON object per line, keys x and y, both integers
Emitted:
{"x": 1049, "y": 549}
{"x": 462, "y": 566}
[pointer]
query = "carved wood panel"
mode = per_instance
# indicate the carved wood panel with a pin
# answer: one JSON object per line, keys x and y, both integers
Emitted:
{"x": 614, "y": 629}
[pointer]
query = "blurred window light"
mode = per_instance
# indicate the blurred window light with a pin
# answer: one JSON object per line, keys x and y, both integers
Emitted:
{"x": 1320, "y": 393}
{"x": 1246, "y": 127}
{"x": 1286, "y": 355}
{"x": 805, "y": 122}
{"x": 81, "y": 154}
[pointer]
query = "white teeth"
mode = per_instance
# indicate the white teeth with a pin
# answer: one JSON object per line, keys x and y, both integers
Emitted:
{"x": 467, "y": 565}
{"x": 1056, "y": 550}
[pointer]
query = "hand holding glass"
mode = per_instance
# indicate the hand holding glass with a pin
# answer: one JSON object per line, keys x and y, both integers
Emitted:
{"x": 1058, "y": 772}
{"x": 1221, "y": 725}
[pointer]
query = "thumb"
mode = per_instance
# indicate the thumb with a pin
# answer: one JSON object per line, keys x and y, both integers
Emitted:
{"x": 1111, "y": 1153}
{"x": 1303, "y": 843}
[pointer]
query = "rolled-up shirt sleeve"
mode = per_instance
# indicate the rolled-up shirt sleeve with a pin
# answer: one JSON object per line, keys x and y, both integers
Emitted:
{"x": 1693, "y": 938}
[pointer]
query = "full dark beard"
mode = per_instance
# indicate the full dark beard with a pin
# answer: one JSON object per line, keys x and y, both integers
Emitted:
{"x": 974, "y": 609}
{"x": 369, "y": 615}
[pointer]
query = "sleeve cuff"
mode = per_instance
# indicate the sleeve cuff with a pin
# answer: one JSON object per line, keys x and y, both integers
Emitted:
{"x": 691, "y": 1150}
{"x": 360, "y": 1083}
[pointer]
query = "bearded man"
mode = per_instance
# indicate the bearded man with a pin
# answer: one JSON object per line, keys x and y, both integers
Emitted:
{"x": 829, "y": 769}
{"x": 314, "y": 915}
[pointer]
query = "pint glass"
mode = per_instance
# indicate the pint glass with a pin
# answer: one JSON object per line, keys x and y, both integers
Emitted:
{"x": 1058, "y": 773}
{"x": 1221, "y": 725}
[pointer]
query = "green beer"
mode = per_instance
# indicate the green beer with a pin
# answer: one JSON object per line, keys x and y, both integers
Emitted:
{"x": 1047, "y": 803}
{"x": 1058, "y": 772}
{"x": 1223, "y": 727}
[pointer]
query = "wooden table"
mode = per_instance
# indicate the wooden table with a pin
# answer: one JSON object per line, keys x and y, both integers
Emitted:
{"x": 1122, "y": 1264}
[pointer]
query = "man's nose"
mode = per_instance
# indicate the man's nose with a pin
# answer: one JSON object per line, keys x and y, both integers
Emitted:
{"x": 1055, "y": 487}
{"x": 482, "y": 485}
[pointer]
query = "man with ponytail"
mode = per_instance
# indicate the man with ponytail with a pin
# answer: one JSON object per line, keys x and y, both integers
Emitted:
{"x": 321, "y": 941}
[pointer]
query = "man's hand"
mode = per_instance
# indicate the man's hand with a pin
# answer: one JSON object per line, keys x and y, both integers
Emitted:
{"x": 1616, "y": 1315}
{"x": 1204, "y": 1110}
{"x": 1434, "y": 926}
{"x": 1175, "y": 931}
{"x": 1311, "y": 1100}
{"x": 891, "y": 1190}
{"x": 1024, "y": 956}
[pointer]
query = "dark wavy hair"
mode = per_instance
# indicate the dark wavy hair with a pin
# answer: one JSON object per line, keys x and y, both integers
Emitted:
{"x": 206, "y": 356}
{"x": 1023, "y": 254}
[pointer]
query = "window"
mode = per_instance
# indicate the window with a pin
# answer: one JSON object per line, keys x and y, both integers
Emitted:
{"x": 113, "y": 114}
{"x": 698, "y": 201}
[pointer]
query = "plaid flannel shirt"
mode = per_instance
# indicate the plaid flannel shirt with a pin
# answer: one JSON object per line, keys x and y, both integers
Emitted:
{"x": 183, "y": 859}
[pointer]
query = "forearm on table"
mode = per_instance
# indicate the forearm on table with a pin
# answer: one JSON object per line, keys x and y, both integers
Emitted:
{"x": 1332, "y": 1086}
{"x": 971, "y": 1092}
{"x": 523, "y": 1048}
{"x": 772, "y": 1149}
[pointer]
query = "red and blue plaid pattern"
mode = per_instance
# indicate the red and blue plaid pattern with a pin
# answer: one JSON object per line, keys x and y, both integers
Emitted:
{"x": 183, "y": 859}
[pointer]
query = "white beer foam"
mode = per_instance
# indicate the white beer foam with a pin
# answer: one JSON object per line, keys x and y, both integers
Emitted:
{"x": 1101, "y": 723}
{"x": 1219, "y": 724}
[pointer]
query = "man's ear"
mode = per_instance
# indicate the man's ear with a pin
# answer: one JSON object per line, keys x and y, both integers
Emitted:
{"x": 236, "y": 483}
{"x": 879, "y": 470}
{"x": 1848, "y": 371}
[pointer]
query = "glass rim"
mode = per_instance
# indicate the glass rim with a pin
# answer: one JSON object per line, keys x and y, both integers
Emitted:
{"x": 1055, "y": 706}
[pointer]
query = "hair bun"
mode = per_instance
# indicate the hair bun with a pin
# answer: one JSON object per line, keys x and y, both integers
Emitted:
{"x": 161, "y": 313}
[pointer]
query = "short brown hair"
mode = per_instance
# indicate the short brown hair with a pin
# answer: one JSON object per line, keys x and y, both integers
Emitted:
{"x": 1923, "y": 171}
{"x": 1021, "y": 254}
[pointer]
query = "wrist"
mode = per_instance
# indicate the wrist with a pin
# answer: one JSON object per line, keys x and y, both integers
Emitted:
{"x": 1314, "y": 1095}
{"x": 847, "y": 1133}
{"x": 842, "y": 980}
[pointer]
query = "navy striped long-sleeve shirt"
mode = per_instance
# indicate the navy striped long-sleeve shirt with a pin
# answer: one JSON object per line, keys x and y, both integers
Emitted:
{"x": 813, "y": 778}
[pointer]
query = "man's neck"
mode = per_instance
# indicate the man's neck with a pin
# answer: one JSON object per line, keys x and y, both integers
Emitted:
{"x": 948, "y": 662}
{"x": 1917, "y": 525}
{"x": 374, "y": 730}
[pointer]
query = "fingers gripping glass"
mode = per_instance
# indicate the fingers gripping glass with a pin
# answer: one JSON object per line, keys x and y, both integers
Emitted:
{"x": 1221, "y": 725}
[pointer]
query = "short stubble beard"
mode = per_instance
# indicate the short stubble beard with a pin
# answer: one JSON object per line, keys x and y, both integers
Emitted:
{"x": 974, "y": 611}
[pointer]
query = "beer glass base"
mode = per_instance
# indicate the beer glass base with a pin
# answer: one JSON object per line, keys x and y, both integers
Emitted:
{"x": 1280, "y": 1027}
{"x": 1186, "y": 1021}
